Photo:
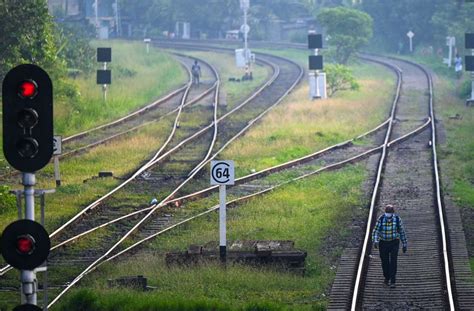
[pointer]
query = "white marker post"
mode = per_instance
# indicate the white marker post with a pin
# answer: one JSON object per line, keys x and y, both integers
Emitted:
{"x": 410, "y": 35}
{"x": 147, "y": 42}
{"x": 57, "y": 151}
{"x": 222, "y": 174}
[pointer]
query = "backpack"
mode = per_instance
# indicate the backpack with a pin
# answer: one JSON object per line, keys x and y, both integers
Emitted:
{"x": 396, "y": 218}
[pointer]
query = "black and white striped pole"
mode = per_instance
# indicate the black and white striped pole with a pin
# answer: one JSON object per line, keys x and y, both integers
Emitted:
{"x": 469, "y": 63}
{"x": 315, "y": 42}
{"x": 104, "y": 76}
{"x": 222, "y": 174}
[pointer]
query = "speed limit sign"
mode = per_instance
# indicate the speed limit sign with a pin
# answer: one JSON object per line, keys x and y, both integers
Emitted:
{"x": 222, "y": 172}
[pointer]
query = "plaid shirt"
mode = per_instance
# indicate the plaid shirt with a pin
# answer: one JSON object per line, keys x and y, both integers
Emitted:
{"x": 386, "y": 229}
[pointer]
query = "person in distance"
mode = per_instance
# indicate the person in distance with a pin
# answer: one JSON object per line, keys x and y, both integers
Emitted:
{"x": 386, "y": 236}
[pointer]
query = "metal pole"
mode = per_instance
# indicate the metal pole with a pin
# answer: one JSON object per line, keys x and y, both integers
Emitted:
{"x": 28, "y": 277}
{"x": 450, "y": 55}
{"x": 104, "y": 87}
{"x": 97, "y": 17}
{"x": 318, "y": 94}
{"x": 148, "y": 48}
{"x": 57, "y": 175}
{"x": 42, "y": 204}
{"x": 472, "y": 79}
{"x": 116, "y": 18}
{"x": 222, "y": 223}
{"x": 411, "y": 44}
{"x": 245, "y": 37}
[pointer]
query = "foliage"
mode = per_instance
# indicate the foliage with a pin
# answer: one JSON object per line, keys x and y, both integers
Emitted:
{"x": 73, "y": 40}
{"x": 87, "y": 299}
{"x": 349, "y": 30}
{"x": 430, "y": 20}
{"x": 7, "y": 200}
{"x": 340, "y": 78}
{"x": 27, "y": 36}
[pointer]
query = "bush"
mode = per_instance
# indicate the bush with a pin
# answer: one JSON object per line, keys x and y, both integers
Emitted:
{"x": 339, "y": 78}
{"x": 465, "y": 90}
{"x": 7, "y": 200}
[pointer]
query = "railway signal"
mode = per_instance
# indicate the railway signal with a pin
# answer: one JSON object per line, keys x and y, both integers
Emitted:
{"x": 104, "y": 76}
{"x": 469, "y": 63}
{"x": 27, "y": 118}
{"x": 28, "y": 146}
{"x": 25, "y": 244}
{"x": 317, "y": 80}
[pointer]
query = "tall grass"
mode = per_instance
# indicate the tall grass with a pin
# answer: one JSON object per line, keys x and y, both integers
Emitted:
{"x": 300, "y": 126}
{"x": 137, "y": 79}
{"x": 316, "y": 213}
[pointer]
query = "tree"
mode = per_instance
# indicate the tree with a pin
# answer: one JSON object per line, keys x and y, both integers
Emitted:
{"x": 340, "y": 78}
{"x": 27, "y": 36}
{"x": 349, "y": 30}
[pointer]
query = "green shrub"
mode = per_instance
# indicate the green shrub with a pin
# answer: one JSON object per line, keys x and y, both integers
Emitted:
{"x": 7, "y": 200}
{"x": 465, "y": 90}
{"x": 340, "y": 78}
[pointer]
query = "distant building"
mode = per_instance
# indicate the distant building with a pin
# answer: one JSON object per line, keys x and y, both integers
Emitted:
{"x": 106, "y": 17}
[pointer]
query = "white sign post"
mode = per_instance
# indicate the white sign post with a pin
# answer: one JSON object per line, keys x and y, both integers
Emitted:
{"x": 147, "y": 42}
{"x": 410, "y": 35}
{"x": 57, "y": 150}
{"x": 222, "y": 174}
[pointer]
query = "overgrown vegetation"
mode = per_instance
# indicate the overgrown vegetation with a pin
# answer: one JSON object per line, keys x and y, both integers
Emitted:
{"x": 306, "y": 212}
{"x": 430, "y": 20}
{"x": 339, "y": 78}
{"x": 349, "y": 30}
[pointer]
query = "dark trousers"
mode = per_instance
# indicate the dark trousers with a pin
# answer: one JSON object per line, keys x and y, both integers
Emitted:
{"x": 389, "y": 254}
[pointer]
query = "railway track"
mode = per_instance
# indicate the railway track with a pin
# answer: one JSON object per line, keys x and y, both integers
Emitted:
{"x": 282, "y": 76}
{"x": 162, "y": 223}
{"x": 407, "y": 177}
{"x": 292, "y": 78}
{"x": 155, "y": 224}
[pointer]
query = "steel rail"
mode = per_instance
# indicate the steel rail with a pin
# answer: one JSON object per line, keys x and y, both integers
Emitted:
{"x": 439, "y": 199}
{"x": 440, "y": 209}
{"x": 238, "y": 181}
{"x": 249, "y": 177}
{"x": 378, "y": 179}
{"x": 107, "y": 139}
{"x": 330, "y": 167}
{"x": 156, "y": 158}
{"x": 135, "y": 113}
{"x": 159, "y": 205}
{"x": 141, "y": 221}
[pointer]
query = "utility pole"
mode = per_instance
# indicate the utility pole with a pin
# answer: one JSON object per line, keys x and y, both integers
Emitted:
{"x": 96, "y": 9}
{"x": 245, "y": 5}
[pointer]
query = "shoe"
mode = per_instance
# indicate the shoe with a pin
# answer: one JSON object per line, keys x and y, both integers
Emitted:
{"x": 392, "y": 285}
{"x": 386, "y": 282}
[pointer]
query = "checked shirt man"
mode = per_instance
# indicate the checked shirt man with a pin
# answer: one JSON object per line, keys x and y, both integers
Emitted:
{"x": 386, "y": 237}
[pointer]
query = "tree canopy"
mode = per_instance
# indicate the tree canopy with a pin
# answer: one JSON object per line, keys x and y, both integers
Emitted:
{"x": 27, "y": 35}
{"x": 349, "y": 30}
{"x": 430, "y": 20}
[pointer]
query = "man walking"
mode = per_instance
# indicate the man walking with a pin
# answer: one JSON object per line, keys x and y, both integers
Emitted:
{"x": 386, "y": 237}
{"x": 196, "y": 72}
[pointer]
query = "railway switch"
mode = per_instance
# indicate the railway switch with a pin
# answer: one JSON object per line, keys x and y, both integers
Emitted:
{"x": 27, "y": 118}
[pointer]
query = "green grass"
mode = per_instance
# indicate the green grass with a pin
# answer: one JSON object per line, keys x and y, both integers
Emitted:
{"x": 137, "y": 79}
{"x": 235, "y": 91}
{"x": 300, "y": 126}
{"x": 306, "y": 212}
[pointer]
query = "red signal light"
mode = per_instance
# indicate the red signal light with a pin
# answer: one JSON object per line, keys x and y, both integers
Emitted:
{"x": 28, "y": 89}
{"x": 25, "y": 244}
